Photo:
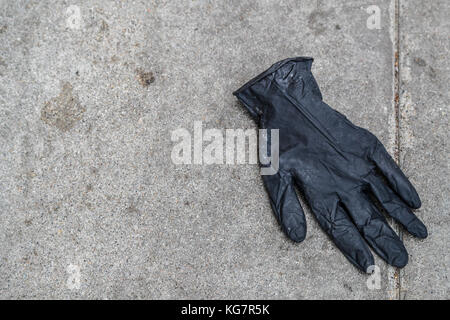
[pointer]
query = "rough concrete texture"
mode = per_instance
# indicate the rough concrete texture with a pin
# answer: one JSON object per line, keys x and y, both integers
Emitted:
{"x": 424, "y": 129}
{"x": 91, "y": 204}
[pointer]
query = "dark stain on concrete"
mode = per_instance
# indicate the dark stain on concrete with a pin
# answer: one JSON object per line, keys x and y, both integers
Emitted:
{"x": 2, "y": 62}
{"x": 432, "y": 72}
{"x": 420, "y": 62}
{"x": 63, "y": 111}
{"x": 145, "y": 78}
{"x": 348, "y": 287}
{"x": 103, "y": 30}
{"x": 318, "y": 21}
{"x": 133, "y": 209}
{"x": 93, "y": 170}
{"x": 104, "y": 27}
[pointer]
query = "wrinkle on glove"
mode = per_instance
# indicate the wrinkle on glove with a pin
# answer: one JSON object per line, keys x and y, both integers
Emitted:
{"x": 336, "y": 164}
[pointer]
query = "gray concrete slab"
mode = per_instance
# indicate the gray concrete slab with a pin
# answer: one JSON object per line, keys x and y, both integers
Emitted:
{"x": 424, "y": 135}
{"x": 93, "y": 207}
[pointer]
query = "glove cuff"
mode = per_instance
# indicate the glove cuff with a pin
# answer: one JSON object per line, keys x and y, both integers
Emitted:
{"x": 250, "y": 100}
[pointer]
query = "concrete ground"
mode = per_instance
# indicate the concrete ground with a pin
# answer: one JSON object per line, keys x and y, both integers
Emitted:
{"x": 91, "y": 205}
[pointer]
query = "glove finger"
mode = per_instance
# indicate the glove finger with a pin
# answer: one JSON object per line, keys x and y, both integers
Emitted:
{"x": 375, "y": 229}
{"x": 396, "y": 208}
{"x": 397, "y": 180}
{"x": 286, "y": 206}
{"x": 344, "y": 234}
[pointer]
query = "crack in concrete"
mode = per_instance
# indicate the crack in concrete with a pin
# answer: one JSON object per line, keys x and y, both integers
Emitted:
{"x": 394, "y": 283}
{"x": 397, "y": 274}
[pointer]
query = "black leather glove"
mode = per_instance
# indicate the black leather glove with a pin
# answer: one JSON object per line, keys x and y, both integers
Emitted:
{"x": 335, "y": 164}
